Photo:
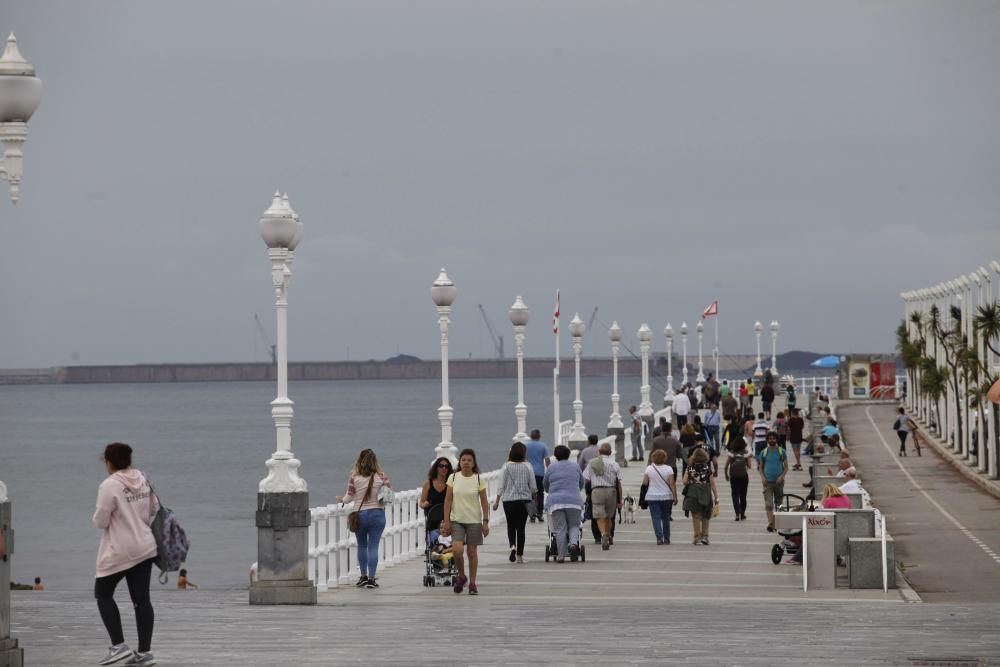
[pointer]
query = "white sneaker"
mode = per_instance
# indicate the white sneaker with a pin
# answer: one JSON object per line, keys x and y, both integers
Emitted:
{"x": 116, "y": 653}
{"x": 142, "y": 659}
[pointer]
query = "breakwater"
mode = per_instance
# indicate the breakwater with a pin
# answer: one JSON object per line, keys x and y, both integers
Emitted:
{"x": 345, "y": 370}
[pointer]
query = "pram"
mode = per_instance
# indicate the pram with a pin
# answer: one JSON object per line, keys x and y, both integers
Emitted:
{"x": 552, "y": 549}
{"x": 791, "y": 542}
{"x": 439, "y": 569}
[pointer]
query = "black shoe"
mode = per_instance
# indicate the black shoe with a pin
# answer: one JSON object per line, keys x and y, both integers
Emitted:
{"x": 737, "y": 519}
{"x": 371, "y": 583}
{"x": 513, "y": 554}
{"x": 743, "y": 517}
{"x": 770, "y": 528}
{"x": 362, "y": 581}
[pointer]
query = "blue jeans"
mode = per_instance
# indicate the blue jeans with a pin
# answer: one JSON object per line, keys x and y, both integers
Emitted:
{"x": 371, "y": 525}
{"x": 660, "y": 511}
{"x": 712, "y": 433}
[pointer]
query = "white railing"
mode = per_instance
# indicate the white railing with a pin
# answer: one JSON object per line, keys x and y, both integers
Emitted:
{"x": 565, "y": 429}
{"x": 333, "y": 548}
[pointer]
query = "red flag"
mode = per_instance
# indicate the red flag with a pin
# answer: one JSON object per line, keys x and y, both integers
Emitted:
{"x": 711, "y": 310}
{"x": 555, "y": 316}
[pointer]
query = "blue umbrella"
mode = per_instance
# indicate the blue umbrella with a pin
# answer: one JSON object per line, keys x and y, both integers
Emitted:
{"x": 831, "y": 361}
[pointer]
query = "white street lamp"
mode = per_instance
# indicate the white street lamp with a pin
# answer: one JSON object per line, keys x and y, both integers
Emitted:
{"x": 282, "y": 498}
{"x": 519, "y": 318}
{"x": 756, "y": 329}
{"x": 281, "y": 233}
{"x": 775, "y": 327}
{"x": 576, "y": 330}
{"x": 20, "y": 94}
{"x": 645, "y": 336}
{"x": 443, "y": 292}
{"x": 668, "y": 331}
{"x": 615, "y": 335}
{"x": 684, "y": 355}
{"x": 700, "y": 378}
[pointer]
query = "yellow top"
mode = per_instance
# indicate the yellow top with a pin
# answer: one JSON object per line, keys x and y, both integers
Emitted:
{"x": 465, "y": 506}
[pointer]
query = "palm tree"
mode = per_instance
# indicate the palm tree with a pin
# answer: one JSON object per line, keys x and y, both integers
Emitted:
{"x": 953, "y": 342}
{"x": 933, "y": 383}
{"x": 987, "y": 324}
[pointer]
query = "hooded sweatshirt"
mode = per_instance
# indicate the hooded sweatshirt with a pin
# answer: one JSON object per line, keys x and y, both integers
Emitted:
{"x": 126, "y": 507}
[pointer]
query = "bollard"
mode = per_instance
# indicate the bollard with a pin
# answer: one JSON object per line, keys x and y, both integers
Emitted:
{"x": 11, "y": 655}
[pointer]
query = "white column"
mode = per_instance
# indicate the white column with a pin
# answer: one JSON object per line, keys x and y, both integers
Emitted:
{"x": 576, "y": 329}
{"x": 519, "y": 319}
{"x": 756, "y": 329}
{"x": 700, "y": 378}
{"x": 443, "y": 292}
{"x": 21, "y": 92}
{"x": 775, "y": 327}
{"x": 615, "y": 334}
{"x": 281, "y": 231}
{"x": 668, "y": 331}
{"x": 684, "y": 355}
{"x": 645, "y": 336}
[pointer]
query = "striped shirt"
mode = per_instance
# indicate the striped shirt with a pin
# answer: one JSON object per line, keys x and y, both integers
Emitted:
{"x": 517, "y": 482}
{"x": 760, "y": 429}
{"x": 608, "y": 479}
{"x": 358, "y": 484}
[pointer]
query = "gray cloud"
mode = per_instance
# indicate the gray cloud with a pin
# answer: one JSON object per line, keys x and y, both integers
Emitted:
{"x": 801, "y": 161}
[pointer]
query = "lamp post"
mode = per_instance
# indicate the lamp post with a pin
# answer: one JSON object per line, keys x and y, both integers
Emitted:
{"x": 756, "y": 329}
{"x": 700, "y": 378}
{"x": 282, "y": 516}
{"x": 20, "y": 94}
{"x": 443, "y": 292}
{"x": 578, "y": 437}
{"x": 519, "y": 318}
{"x": 775, "y": 327}
{"x": 615, "y": 336}
{"x": 684, "y": 355}
{"x": 668, "y": 397}
{"x": 645, "y": 336}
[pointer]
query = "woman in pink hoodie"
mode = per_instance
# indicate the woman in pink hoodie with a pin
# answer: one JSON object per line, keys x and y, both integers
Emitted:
{"x": 126, "y": 507}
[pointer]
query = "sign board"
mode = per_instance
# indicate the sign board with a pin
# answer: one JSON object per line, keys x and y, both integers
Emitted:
{"x": 859, "y": 379}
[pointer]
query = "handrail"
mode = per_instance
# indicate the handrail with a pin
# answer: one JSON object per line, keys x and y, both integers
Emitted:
{"x": 885, "y": 573}
{"x": 805, "y": 556}
{"x": 331, "y": 546}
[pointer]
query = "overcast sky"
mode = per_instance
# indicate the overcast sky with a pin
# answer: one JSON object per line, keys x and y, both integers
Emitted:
{"x": 801, "y": 161}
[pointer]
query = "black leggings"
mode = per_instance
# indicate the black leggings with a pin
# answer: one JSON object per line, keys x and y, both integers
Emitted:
{"x": 739, "y": 487}
{"x": 137, "y": 578}
{"x": 516, "y": 512}
{"x": 902, "y": 440}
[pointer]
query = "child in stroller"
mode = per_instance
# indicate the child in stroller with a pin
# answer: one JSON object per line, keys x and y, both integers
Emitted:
{"x": 791, "y": 542}
{"x": 439, "y": 564}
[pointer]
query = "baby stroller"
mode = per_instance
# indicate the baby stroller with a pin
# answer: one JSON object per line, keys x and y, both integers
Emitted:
{"x": 791, "y": 542}
{"x": 552, "y": 549}
{"x": 439, "y": 568}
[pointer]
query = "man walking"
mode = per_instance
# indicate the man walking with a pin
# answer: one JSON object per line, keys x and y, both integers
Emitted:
{"x": 761, "y": 427}
{"x": 773, "y": 466}
{"x": 767, "y": 398}
{"x": 538, "y": 457}
{"x": 672, "y": 446}
{"x": 588, "y": 452}
{"x": 711, "y": 424}
{"x": 681, "y": 407}
{"x": 604, "y": 476}
{"x": 796, "y": 427}
{"x": 638, "y": 427}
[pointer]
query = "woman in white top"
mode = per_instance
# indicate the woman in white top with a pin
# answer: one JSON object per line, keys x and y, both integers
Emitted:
{"x": 517, "y": 488}
{"x": 661, "y": 494}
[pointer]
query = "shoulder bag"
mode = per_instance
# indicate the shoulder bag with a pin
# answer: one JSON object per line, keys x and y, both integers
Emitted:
{"x": 354, "y": 519}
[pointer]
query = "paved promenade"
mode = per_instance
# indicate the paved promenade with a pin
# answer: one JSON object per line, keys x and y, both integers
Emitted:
{"x": 946, "y": 527}
{"x": 637, "y": 604}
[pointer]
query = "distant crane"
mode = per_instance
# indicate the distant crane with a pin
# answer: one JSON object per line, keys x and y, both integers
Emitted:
{"x": 497, "y": 340}
{"x": 590, "y": 323}
{"x": 272, "y": 348}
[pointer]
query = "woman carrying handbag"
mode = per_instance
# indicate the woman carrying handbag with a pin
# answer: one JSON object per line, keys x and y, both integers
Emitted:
{"x": 368, "y": 481}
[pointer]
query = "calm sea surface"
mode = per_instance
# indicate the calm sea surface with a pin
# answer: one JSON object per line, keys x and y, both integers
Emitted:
{"x": 204, "y": 445}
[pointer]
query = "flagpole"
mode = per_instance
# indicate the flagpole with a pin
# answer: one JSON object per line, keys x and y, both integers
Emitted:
{"x": 555, "y": 379}
{"x": 717, "y": 340}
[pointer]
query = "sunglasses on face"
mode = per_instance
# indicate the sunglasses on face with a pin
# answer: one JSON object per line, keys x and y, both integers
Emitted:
{"x": 443, "y": 465}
